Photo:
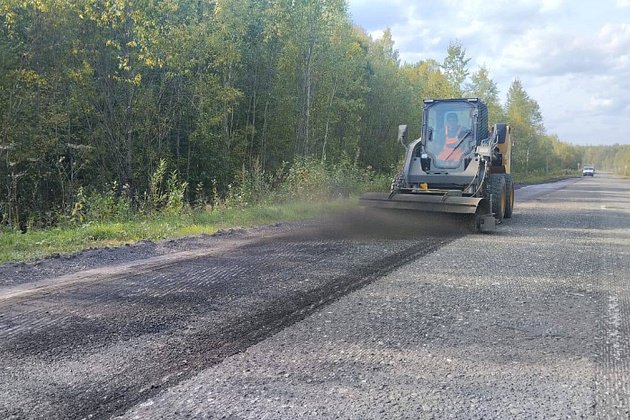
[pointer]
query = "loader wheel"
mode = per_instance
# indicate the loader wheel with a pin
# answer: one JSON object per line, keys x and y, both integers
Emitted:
{"x": 509, "y": 193}
{"x": 496, "y": 190}
{"x": 397, "y": 182}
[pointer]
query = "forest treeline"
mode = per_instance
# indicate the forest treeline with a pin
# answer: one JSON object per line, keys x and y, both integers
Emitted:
{"x": 163, "y": 104}
{"x": 613, "y": 158}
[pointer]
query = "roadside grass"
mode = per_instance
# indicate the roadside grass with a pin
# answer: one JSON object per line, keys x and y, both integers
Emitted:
{"x": 35, "y": 244}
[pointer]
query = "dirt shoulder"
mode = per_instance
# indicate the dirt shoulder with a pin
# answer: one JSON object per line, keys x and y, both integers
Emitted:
{"x": 13, "y": 274}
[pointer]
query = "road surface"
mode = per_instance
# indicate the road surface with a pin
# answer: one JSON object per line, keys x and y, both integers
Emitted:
{"x": 343, "y": 319}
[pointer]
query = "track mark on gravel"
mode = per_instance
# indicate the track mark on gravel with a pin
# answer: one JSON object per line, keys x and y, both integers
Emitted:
{"x": 109, "y": 273}
{"x": 614, "y": 327}
{"x": 172, "y": 323}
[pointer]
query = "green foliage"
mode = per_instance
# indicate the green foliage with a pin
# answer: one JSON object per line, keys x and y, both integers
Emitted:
{"x": 523, "y": 114}
{"x": 456, "y": 67}
{"x": 175, "y": 192}
{"x": 482, "y": 86}
{"x": 541, "y": 176}
{"x": 349, "y": 179}
{"x": 15, "y": 246}
{"x": 386, "y": 105}
{"x": 110, "y": 108}
{"x": 113, "y": 205}
{"x": 201, "y": 198}
{"x": 307, "y": 179}
{"x": 614, "y": 158}
{"x": 165, "y": 194}
{"x": 77, "y": 215}
{"x": 156, "y": 197}
{"x": 313, "y": 180}
{"x": 254, "y": 187}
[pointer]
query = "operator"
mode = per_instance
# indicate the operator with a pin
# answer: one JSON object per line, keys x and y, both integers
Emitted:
{"x": 453, "y": 134}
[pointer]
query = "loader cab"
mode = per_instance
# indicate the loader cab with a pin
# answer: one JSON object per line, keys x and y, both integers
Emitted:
{"x": 450, "y": 132}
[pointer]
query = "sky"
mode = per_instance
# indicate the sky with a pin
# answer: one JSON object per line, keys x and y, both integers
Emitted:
{"x": 572, "y": 56}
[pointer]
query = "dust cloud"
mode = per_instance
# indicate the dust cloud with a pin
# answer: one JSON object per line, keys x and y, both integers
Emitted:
{"x": 368, "y": 224}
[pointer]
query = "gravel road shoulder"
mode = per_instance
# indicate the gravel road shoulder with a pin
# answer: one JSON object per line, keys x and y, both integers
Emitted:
{"x": 12, "y": 274}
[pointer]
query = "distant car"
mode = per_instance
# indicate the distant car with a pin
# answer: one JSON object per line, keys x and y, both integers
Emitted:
{"x": 588, "y": 170}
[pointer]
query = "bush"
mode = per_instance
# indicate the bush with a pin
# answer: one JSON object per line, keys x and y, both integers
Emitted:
{"x": 254, "y": 187}
{"x": 113, "y": 205}
{"x": 164, "y": 195}
{"x": 311, "y": 179}
{"x": 175, "y": 193}
{"x": 308, "y": 179}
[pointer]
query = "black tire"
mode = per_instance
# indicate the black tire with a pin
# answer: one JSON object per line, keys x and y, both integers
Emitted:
{"x": 495, "y": 191}
{"x": 509, "y": 196}
{"x": 501, "y": 132}
{"x": 397, "y": 182}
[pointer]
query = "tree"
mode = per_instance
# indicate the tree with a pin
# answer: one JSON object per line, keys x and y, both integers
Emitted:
{"x": 482, "y": 86}
{"x": 100, "y": 93}
{"x": 456, "y": 67}
{"x": 524, "y": 117}
{"x": 386, "y": 105}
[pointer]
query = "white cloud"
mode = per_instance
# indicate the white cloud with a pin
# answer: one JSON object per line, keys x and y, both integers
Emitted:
{"x": 549, "y": 51}
{"x": 615, "y": 38}
{"x": 573, "y": 57}
{"x": 378, "y": 15}
{"x": 601, "y": 103}
{"x": 551, "y": 5}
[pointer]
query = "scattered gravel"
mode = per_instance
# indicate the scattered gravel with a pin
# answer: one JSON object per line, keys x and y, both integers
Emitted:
{"x": 530, "y": 322}
{"x": 92, "y": 344}
{"x": 12, "y": 274}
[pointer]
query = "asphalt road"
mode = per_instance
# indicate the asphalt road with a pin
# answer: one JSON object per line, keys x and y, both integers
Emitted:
{"x": 351, "y": 318}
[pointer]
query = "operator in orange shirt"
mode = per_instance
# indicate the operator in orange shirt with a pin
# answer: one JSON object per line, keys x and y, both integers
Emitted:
{"x": 453, "y": 134}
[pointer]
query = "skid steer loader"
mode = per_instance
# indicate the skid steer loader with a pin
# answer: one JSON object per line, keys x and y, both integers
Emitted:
{"x": 457, "y": 166}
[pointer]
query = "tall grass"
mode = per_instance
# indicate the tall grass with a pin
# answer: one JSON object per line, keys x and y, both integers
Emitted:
{"x": 307, "y": 189}
{"x": 15, "y": 246}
